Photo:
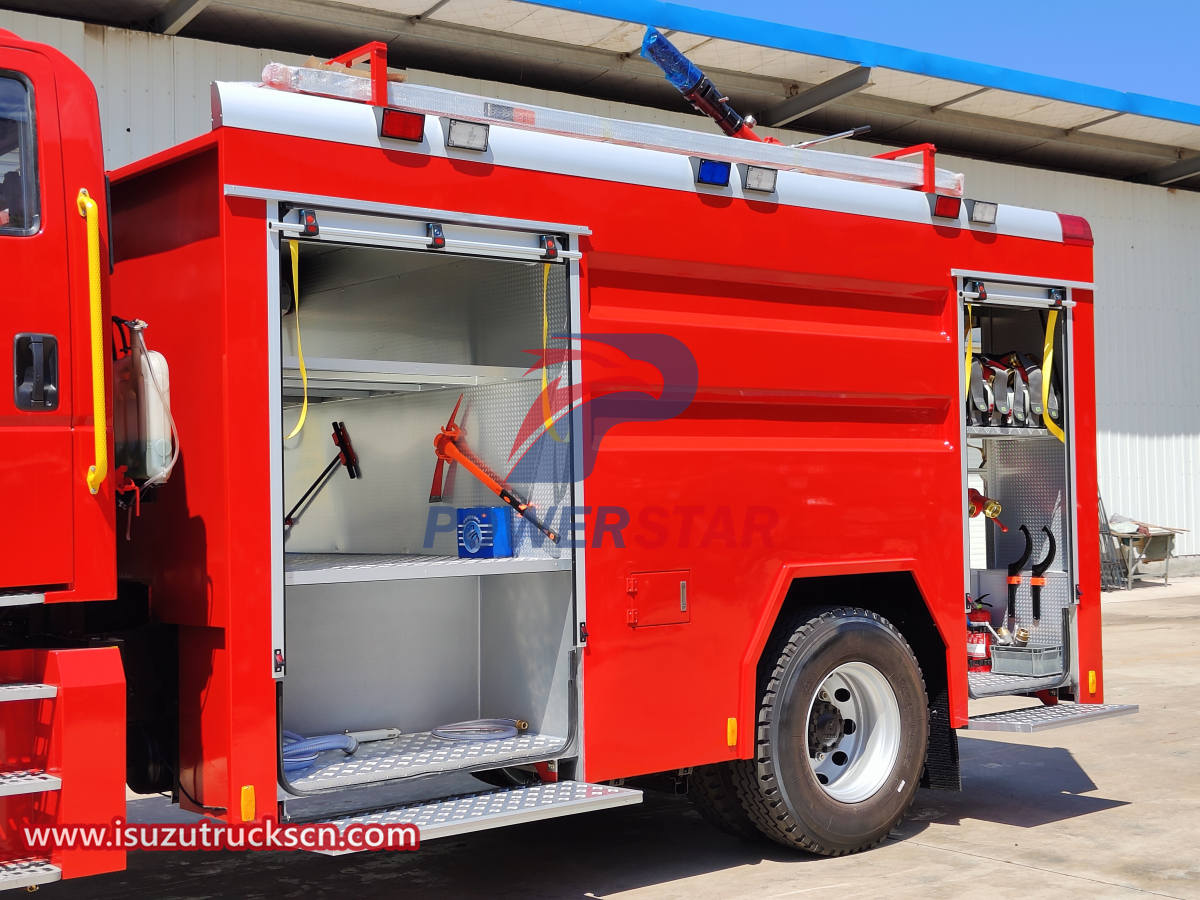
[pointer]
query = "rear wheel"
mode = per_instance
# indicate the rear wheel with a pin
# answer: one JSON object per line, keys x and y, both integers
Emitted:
{"x": 714, "y": 792}
{"x": 842, "y": 734}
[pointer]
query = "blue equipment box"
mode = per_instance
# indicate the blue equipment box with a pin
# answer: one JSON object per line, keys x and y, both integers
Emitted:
{"x": 484, "y": 532}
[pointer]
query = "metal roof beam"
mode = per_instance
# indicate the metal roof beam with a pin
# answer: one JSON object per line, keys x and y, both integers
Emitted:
{"x": 815, "y": 97}
{"x": 599, "y": 65}
{"x": 178, "y": 15}
{"x": 1185, "y": 168}
{"x": 869, "y": 103}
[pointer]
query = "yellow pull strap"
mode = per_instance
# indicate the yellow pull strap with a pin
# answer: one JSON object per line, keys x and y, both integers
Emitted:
{"x": 970, "y": 353}
{"x": 1047, "y": 368}
{"x": 547, "y": 413}
{"x": 295, "y": 251}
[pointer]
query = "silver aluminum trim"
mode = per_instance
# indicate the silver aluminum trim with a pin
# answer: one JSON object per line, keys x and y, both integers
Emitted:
{"x": 1032, "y": 280}
{"x": 346, "y": 122}
{"x": 377, "y": 238}
{"x": 321, "y": 201}
{"x": 275, "y": 436}
{"x": 1012, "y": 300}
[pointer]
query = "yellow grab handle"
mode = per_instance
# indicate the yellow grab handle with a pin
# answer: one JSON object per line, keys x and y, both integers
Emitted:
{"x": 98, "y": 472}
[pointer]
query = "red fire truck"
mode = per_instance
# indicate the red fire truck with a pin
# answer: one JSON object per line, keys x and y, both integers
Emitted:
{"x": 648, "y": 463}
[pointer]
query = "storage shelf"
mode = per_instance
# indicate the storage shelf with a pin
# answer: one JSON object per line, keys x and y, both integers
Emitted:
{"x": 1006, "y": 431}
{"x": 338, "y": 568}
{"x": 421, "y": 753}
{"x": 342, "y": 378}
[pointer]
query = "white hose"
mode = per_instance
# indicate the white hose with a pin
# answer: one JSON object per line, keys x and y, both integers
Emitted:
{"x": 136, "y": 327}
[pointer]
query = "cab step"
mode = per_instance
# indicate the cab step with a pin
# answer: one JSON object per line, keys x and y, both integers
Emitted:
{"x": 12, "y": 692}
{"x": 28, "y": 781}
{"x": 495, "y": 809}
{"x": 27, "y": 873}
{"x": 1043, "y": 718}
{"x": 20, "y": 598}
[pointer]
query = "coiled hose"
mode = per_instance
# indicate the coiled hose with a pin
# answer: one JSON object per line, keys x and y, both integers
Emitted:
{"x": 481, "y": 730}
{"x": 299, "y": 752}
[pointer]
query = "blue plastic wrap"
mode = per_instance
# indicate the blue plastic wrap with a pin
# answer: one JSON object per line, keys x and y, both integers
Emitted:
{"x": 677, "y": 67}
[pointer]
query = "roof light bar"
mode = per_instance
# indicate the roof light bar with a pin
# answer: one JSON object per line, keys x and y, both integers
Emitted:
{"x": 464, "y": 135}
{"x": 982, "y": 212}
{"x": 443, "y": 103}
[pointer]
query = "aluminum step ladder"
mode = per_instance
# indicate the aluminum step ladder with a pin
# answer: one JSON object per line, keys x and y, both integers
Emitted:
{"x": 1043, "y": 718}
{"x": 467, "y": 813}
{"x": 27, "y": 872}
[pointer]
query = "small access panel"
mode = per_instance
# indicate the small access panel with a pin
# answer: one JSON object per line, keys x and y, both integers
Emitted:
{"x": 658, "y": 598}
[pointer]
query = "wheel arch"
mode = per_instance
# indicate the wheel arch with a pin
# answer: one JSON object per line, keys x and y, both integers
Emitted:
{"x": 892, "y": 590}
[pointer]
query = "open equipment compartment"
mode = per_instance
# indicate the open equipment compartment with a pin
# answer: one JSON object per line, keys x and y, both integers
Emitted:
{"x": 386, "y": 627}
{"x": 1018, "y": 455}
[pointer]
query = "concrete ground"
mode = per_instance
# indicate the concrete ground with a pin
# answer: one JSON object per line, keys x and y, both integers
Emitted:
{"x": 1107, "y": 809}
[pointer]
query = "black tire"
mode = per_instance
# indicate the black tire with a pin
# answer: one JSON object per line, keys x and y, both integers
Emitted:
{"x": 714, "y": 793}
{"x": 779, "y": 789}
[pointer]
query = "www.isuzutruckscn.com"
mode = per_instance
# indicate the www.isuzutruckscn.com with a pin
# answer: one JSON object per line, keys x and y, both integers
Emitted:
{"x": 267, "y": 834}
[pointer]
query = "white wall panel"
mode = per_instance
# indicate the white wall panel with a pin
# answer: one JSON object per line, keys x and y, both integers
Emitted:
{"x": 154, "y": 93}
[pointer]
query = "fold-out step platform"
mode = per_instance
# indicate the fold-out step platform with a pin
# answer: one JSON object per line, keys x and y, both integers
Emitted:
{"x": 27, "y": 873}
{"x": 29, "y": 781}
{"x": 12, "y": 692}
{"x": 1043, "y": 718}
{"x": 495, "y": 809}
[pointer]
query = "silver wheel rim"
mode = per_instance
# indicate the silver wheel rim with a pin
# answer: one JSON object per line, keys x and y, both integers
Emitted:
{"x": 853, "y": 732}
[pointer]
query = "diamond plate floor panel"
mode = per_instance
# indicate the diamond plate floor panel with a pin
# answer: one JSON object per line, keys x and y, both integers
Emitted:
{"x": 10, "y": 692}
{"x": 494, "y": 809}
{"x": 1041, "y": 718}
{"x": 27, "y": 873}
{"x": 27, "y": 782}
{"x": 420, "y": 753}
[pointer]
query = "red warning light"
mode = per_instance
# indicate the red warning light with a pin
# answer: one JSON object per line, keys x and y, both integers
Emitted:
{"x": 402, "y": 125}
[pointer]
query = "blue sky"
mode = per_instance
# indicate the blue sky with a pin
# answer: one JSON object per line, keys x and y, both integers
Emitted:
{"x": 1140, "y": 46}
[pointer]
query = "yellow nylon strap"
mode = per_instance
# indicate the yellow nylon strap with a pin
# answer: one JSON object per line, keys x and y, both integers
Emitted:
{"x": 1047, "y": 368}
{"x": 295, "y": 251}
{"x": 970, "y": 353}
{"x": 547, "y": 413}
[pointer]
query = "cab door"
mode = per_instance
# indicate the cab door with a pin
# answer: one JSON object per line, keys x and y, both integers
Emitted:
{"x": 36, "y": 465}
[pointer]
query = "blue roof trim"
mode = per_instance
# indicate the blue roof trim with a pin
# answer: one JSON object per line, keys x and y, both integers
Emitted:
{"x": 745, "y": 30}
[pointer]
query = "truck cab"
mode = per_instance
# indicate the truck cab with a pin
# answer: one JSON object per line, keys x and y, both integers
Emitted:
{"x": 62, "y": 702}
{"x": 60, "y": 546}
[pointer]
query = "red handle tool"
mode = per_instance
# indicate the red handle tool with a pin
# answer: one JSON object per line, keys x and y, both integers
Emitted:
{"x": 446, "y": 445}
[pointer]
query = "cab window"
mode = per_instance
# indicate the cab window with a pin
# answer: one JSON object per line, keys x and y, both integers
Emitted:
{"x": 18, "y": 169}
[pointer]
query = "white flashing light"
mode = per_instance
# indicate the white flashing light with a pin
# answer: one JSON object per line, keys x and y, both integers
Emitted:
{"x": 467, "y": 135}
{"x": 458, "y": 107}
{"x": 759, "y": 178}
{"x": 981, "y": 212}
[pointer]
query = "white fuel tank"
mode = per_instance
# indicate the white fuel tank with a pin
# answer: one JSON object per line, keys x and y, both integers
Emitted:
{"x": 142, "y": 413}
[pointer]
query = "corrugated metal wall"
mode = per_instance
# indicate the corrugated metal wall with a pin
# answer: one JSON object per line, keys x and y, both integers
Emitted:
{"x": 154, "y": 93}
